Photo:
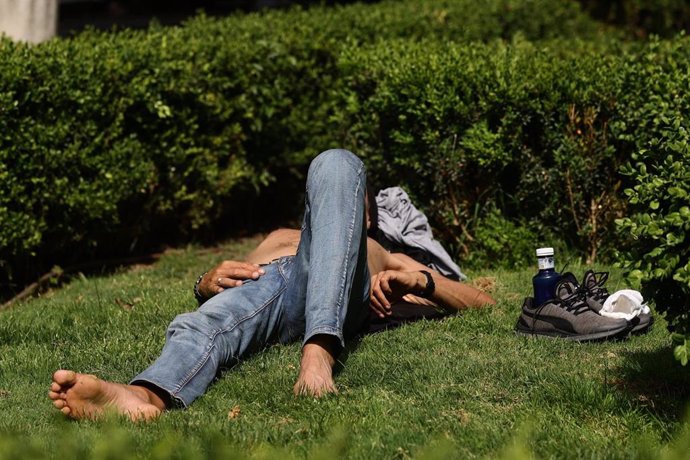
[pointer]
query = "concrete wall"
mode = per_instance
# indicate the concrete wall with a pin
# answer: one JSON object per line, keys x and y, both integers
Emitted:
{"x": 29, "y": 20}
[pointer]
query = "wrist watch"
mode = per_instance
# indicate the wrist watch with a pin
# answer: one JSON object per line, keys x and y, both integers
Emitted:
{"x": 430, "y": 286}
{"x": 197, "y": 295}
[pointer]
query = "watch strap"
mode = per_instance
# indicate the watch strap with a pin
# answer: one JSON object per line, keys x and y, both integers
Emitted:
{"x": 430, "y": 285}
{"x": 197, "y": 295}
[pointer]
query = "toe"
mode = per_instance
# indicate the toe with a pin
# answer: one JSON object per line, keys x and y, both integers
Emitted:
{"x": 59, "y": 403}
{"x": 65, "y": 378}
{"x": 53, "y": 395}
{"x": 66, "y": 410}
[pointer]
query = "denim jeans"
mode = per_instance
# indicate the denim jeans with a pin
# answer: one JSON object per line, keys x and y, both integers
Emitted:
{"x": 323, "y": 289}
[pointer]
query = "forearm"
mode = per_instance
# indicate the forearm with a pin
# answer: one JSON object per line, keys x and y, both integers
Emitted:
{"x": 453, "y": 294}
{"x": 413, "y": 286}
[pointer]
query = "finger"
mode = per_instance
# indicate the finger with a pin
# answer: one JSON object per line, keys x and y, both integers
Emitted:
{"x": 378, "y": 310}
{"x": 385, "y": 286}
{"x": 239, "y": 274}
{"x": 230, "y": 267}
{"x": 381, "y": 298}
{"x": 225, "y": 283}
{"x": 374, "y": 302}
{"x": 376, "y": 306}
{"x": 386, "y": 290}
{"x": 254, "y": 268}
{"x": 244, "y": 273}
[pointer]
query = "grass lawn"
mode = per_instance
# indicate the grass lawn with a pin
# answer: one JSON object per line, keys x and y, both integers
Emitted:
{"x": 463, "y": 387}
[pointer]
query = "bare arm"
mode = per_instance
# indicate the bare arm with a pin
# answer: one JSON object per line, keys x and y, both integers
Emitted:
{"x": 402, "y": 278}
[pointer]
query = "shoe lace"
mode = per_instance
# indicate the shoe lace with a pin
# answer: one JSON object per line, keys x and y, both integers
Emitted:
{"x": 598, "y": 291}
{"x": 576, "y": 302}
{"x": 536, "y": 315}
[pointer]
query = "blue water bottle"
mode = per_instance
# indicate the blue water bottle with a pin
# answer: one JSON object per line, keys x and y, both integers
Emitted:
{"x": 545, "y": 281}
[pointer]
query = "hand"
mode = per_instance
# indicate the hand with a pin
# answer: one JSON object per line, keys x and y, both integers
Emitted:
{"x": 228, "y": 274}
{"x": 390, "y": 286}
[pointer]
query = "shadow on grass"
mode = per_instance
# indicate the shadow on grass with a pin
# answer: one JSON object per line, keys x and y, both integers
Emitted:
{"x": 57, "y": 276}
{"x": 656, "y": 382}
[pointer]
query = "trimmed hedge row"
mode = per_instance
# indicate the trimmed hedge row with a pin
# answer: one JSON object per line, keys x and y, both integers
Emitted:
{"x": 527, "y": 134}
{"x": 113, "y": 142}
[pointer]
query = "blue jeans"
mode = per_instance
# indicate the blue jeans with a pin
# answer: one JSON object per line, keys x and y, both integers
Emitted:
{"x": 324, "y": 289}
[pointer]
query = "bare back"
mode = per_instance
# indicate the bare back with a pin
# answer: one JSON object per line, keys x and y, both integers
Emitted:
{"x": 284, "y": 242}
{"x": 279, "y": 243}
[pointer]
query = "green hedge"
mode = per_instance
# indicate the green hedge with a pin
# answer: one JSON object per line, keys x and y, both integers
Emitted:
{"x": 657, "y": 229}
{"x": 113, "y": 142}
{"x": 639, "y": 18}
{"x": 659, "y": 223}
{"x": 533, "y": 134}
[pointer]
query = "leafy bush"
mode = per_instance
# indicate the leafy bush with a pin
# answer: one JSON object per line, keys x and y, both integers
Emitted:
{"x": 493, "y": 126}
{"x": 538, "y": 131}
{"x": 656, "y": 256}
{"x": 501, "y": 242}
{"x": 117, "y": 141}
{"x": 642, "y": 17}
{"x": 659, "y": 224}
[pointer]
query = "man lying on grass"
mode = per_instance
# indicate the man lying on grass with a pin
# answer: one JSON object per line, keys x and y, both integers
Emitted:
{"x": 314, "y": 283}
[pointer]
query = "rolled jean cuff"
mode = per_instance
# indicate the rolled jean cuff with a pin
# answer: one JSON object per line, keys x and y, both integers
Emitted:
{"x": 325, "y": 330}
{"x": 175, "y": 400}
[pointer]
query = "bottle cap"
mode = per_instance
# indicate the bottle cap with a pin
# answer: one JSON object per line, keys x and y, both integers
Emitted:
{"x": 542, "y": 252}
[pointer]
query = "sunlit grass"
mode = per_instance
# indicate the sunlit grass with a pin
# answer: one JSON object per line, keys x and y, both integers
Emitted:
{"x": 465, "y": 386}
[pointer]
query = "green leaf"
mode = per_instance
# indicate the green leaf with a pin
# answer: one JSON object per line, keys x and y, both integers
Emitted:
{"x": 677, "y": 338}
{"x": 682, "y": 352}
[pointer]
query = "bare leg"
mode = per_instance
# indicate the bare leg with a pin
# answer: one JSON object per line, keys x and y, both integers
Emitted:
{"x": 316, "y": 367}
{"x": 82, "y": 396}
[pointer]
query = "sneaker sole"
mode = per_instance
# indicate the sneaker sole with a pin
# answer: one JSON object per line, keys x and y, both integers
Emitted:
{"x": 605, "y": 335}
{"x": 644, "y": 325}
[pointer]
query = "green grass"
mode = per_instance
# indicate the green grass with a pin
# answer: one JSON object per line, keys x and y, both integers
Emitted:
{"x": 463, "y": 387}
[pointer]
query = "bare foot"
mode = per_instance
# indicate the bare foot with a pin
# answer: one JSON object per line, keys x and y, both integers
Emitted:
{"x": 316, "y": 368}
{"x": 80, "y": 396}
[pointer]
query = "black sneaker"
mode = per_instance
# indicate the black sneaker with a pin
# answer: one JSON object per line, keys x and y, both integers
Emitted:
{"x": 567, "y": 286}
{"x": 568, "y": 317}
{"x": 593, "y": 285}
